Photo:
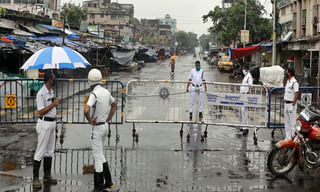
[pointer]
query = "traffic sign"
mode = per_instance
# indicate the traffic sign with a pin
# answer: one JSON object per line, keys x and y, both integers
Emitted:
{"x": 10, "y": 101}
{"x": 306, "y": 99}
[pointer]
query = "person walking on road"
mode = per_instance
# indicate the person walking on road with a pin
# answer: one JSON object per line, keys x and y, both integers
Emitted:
{"x": 46, "y": 130}
{"x": 245, "y": 88}
{"x": 99, "y": 111}
{"x": 291, "y": 95}
{"x": 172, "y": 64}
{"x": 197, "y": 81}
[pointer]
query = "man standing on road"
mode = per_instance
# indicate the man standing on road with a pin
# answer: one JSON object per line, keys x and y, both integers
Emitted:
{"x": 196, "y": 80}
{"x": 99, "y": 111}
{"x": 46, "y": 130}
{"x": 291, "y": 95}
{"x": 247, "y": 82}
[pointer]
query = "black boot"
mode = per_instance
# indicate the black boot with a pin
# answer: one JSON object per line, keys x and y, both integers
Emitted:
{"x": 36, "y": 182}
{"x": 47, "y": 162}
{"x": 98, "y": 182}
{"x": 107, "y": 176}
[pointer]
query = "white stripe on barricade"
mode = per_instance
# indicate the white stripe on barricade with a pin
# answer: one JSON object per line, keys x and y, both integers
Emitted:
{"x": 165, "y": 101}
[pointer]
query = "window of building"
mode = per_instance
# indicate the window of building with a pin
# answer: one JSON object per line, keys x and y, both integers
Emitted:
{"x": 113, "y": 17}
{"x": 283, "y": 11}
{"x": 294, "y": 21}
{"x": 95, "y": 5}
{"x": 303, "y": 17}
{"x": 101, "y": 15}
{"x": 5, "y": 1}
{"x": 89, "y": 5}
{"x": 24, "y": 1}
{"x": 92, "y": 16}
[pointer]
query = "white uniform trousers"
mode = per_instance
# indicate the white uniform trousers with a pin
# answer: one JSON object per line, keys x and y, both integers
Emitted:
{"x": 98, "y": 137}
{"x": 193, "y": 91}
{"x": 46, "y": 139}
{"x": 290, "y": 118}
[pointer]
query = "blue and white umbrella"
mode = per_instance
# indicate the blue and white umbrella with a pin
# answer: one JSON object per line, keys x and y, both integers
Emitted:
{"x": 55, "y": 58}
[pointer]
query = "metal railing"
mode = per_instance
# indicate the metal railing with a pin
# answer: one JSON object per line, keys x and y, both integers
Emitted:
{"x": 165, "y": 101}
{"x": 18, "y": 100}
{"x": 308, "y": 95}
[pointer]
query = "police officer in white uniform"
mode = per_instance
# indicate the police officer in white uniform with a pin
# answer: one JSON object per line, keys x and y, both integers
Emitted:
{"x": 197, "y": 81}
{"x": 247, "y": 82}
{"x": 291, "y": 95}
{"x": 99, "y": 111}
{"x": 46, "y": 105}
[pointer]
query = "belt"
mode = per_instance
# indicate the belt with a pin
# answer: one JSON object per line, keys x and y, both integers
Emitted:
{"x": 197, "y": 85}
{"x": 288, "y": 101}
{"x": 100, "y": 123}
{"x": 47, "y": 118}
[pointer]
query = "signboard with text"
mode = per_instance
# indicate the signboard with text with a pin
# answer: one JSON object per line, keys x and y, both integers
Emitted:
{"x": 244, "y": 36}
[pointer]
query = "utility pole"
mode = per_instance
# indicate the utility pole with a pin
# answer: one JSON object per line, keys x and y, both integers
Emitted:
{"x": 245, "y": 23}
{"x": 274, "y": 43}
{"x": 64, "y": 23}
{"x": 245, "y": 15}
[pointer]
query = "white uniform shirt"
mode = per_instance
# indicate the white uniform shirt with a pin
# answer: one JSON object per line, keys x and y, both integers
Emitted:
{"x": 292, "y": 86}
{"x": 44, "y": 99}
{"x": 196, "y": 76}
{"x": 247, "y": 80}
{"x": 100, "y": 101}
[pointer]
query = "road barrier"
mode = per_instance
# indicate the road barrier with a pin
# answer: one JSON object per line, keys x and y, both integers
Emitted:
{"x": 18, "y": 100}
{"x": 308, "y": 96}
{"x": 165, "y": 101}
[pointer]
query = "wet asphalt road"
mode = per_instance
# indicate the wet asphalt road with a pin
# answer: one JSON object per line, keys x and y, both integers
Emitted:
{"x": 160, "y": 160}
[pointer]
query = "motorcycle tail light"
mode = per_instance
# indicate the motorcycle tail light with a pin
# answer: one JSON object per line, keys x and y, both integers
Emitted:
{"x": 305, "y": 126}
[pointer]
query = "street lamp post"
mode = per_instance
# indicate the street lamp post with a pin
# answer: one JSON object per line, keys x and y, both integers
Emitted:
{"x": 274, "y": 43}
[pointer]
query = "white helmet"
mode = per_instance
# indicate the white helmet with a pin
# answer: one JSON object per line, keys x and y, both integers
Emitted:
{"x": 94, "y": 77}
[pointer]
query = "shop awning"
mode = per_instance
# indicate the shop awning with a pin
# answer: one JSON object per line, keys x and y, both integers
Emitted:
{"x": 30, "y": 29}
{"x": 242, "y": 52}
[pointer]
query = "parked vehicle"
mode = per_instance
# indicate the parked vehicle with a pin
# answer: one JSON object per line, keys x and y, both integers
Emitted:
{"x": 225, "y": 64}
{"x": 302, "y": 149}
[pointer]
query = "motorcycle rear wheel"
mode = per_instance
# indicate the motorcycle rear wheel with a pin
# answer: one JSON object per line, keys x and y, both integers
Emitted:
{"x": 282, "y": 160}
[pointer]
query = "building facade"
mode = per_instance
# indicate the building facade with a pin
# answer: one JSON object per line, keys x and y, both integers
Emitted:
{"x": 37, "y": 7}
{"x": 300, "y": 37}
{"x": 167, "y": 20}
{"x": 111, "y": 17}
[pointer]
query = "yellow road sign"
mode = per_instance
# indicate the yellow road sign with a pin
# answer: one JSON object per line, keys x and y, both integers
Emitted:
{"x": 10, "y": 101}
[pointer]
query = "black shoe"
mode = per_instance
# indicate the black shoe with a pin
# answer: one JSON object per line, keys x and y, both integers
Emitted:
{"x": 107, "y": 176}
{"x": 190, "y": 117}
{"x": 98, "y": 182}
{"x": 36, "y": 182}
{"x": 47, "y": 162}
{"x": 200, "y": 115}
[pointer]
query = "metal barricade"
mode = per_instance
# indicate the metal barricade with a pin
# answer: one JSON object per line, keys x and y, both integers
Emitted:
{"x": 164, "y": 101}
{"x": 308, "y": 96}
{"x": 18, "y": 100}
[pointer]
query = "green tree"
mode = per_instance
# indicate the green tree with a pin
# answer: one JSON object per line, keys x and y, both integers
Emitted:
{"x": 188, "y": 40}
{"x": 74, "y": 13}
{"x": 227, "y": 23}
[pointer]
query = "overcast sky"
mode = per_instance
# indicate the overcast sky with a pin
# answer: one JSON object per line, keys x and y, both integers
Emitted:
{"x": 187, "y": 12}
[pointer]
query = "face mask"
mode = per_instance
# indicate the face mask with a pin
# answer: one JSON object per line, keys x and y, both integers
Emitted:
{"x": 198, "y": 68}
{"x": 244, "y": 72}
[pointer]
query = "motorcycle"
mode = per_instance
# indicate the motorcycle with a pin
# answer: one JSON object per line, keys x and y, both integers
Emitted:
{"x": 303, "y": 149}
